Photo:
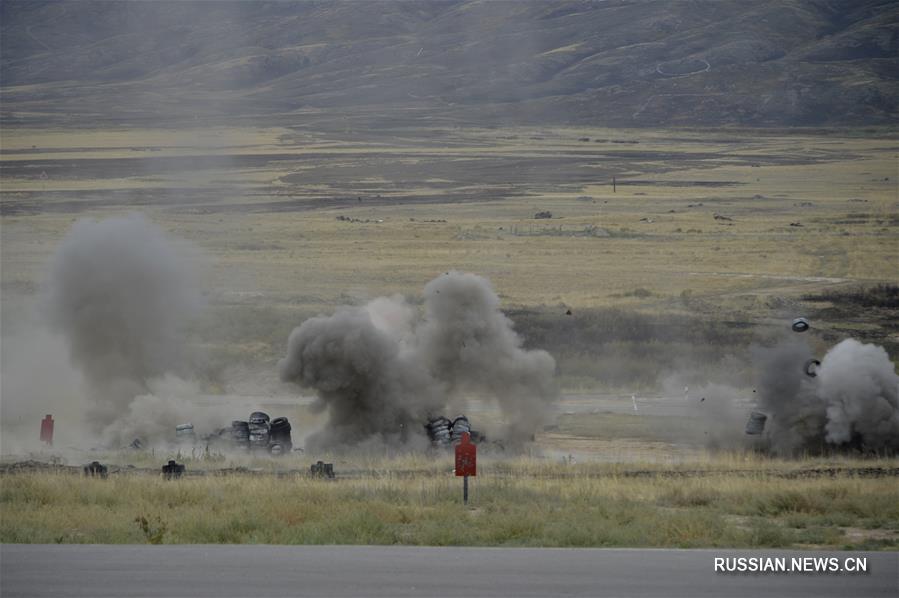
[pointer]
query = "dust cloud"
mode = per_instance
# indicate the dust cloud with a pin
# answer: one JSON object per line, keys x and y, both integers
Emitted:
{"x": 382, "y": 369}
{"x": 109, "y": 332}
{"x": 852, "y": 402}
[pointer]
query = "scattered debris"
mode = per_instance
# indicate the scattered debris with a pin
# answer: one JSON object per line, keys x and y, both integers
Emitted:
{"x": 718, "y": 216}
{"x": 173, "y": 470}
{"x": 648, "y": 220}
{"x": 800, "y": 325}
{"x": 95, "y": 469}
{"x": 359, "y": 220}
{"x": 756, "y": 423}
{"x": 543, "y": 215}
{"x": 322, "y": 470}
{"x": 590, "y": 230}
{"x": 811, "y": 368}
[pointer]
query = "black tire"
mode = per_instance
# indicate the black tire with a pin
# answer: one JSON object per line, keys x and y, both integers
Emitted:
{"x": 258, "y": 417}
{"x": 280, "y": 423}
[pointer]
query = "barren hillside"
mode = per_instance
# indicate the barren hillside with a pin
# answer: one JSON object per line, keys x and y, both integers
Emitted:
{"x": 619, "y": 62}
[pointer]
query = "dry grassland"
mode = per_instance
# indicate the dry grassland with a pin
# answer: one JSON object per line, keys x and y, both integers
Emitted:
{"x": 797, "y": 212}
{"x": 701, "y": 223}
{"x": 732, "y": 501}
{"x": 268, "y": 231}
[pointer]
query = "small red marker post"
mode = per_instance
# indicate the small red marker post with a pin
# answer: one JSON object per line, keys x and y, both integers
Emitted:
{"x": 466, "y": 463}
{"x": 47, "y": 430}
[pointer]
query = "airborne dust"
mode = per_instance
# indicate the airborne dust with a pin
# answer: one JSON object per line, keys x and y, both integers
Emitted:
{"x": 110, "y": 347}
{"x": 383, "y": 369}
{"x": 851, "y": 402}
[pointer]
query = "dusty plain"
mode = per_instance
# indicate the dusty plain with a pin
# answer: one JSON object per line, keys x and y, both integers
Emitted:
{"x": 707, "y": 242}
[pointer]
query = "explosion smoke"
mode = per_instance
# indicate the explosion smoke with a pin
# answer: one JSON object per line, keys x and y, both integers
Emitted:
{"x": 382, "y": 369}
{"x": 370, "y": 387}
{"x": 853, "y": 402}
{"x": 470, "y": 345}
{"x": 119, "y": 292}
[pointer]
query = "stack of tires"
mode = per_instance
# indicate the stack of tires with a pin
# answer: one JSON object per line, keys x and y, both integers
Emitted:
{"x": 440, "y": 430}
{"x": 240, "y": 434}
{"x": 756, "y": 423}
{"x": 460, "y": 426}
{"x": 279, "y": 436}
{"x": 259, "y": 430}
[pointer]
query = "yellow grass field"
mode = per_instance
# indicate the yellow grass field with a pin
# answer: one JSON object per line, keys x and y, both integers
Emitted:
{"x": 662, "y": 232}
{"x": 724, "y": 225}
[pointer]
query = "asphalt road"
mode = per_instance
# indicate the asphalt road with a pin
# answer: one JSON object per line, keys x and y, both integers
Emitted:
{"x": 222, "y": 571}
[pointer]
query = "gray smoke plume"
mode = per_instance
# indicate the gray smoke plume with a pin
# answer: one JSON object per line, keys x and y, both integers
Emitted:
{"x": 468, "y": 344}
{"x": 152, "y": 417}
{"x": 382, "y": 369}
{"x": 853, "y": 402}
{"x": 368, "y": 384}
{"x": 119, "y": 292}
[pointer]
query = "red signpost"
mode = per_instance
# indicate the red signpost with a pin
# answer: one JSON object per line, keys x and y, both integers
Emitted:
{"x": 466, "y": 462}
{"x": 47, "y": 430}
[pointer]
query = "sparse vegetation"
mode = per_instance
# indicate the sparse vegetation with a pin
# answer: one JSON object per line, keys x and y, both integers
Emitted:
{"x": 884, "y": 295}
{"x": 642, "y": 302}
{"x": 153, "y": 528}
{"x": 736, "y": 501}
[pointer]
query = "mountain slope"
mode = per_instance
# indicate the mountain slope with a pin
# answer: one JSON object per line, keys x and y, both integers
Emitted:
{"x": 619, "y": 62}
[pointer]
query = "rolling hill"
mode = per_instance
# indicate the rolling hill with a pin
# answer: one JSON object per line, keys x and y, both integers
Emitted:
{"x": 460, "y": 62}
